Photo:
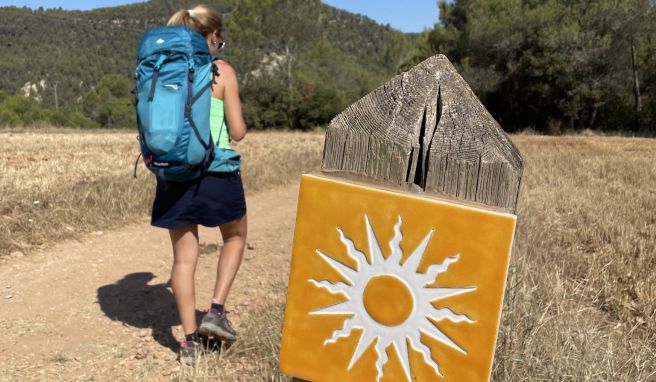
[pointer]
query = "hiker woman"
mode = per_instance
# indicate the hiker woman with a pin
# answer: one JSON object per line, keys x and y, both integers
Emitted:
{"x": 216, "y": 199}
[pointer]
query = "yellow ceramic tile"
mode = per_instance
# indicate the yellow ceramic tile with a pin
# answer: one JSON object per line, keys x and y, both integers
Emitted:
{"x": 387, "y": 286}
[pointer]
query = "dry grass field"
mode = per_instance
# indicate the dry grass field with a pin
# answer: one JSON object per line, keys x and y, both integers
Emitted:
{"x": 50, "y": 180}
{"x": 580, "y": 303}
{"x": 581, "y": 298}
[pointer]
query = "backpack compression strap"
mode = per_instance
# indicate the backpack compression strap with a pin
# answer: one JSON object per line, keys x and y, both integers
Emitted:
{"x": 153, "y": 81}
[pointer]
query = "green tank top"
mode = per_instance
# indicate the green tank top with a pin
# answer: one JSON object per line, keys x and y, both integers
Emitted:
{"x": 218, "y": 125}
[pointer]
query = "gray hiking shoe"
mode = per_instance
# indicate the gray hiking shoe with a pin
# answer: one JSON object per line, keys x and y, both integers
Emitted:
{"x": 190, "y": 352}
{"x": 215, "y": 324}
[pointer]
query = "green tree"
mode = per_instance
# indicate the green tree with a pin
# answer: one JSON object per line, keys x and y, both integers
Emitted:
{"x": 551, "y": 64}
{"x": 26, "y": 111}
{"x": 108, "y": 104}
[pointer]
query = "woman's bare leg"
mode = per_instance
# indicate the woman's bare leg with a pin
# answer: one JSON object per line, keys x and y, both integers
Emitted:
{"x": 234, "y": 240}
{"x": 185, "y": 258}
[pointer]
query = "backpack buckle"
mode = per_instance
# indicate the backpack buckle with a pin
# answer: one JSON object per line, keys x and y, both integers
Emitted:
{"x": 159, "y": 62}
{"x": 187, "y": 111}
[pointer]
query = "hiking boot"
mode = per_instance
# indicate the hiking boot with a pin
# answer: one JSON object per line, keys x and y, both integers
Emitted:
{"x": 190, "y": 351}
{"x": 210, "y": 344}
{"x": 216, "y": 324}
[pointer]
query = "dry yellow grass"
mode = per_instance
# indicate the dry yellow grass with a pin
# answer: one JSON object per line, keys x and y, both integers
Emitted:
{"x": 253, "y": 358}
{"x": 56, "y": 185}
{"x": 581, "y": 297}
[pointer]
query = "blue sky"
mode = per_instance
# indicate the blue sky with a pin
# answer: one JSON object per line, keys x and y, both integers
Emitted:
{"x": 407, "y": 16}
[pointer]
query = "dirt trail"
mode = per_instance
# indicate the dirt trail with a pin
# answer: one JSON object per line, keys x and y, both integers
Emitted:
{"x": 99, "y": 308}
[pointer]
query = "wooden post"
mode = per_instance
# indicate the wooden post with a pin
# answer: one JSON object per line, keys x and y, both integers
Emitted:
{"x": 426, "y": 128}
{"x": 402, "y": 246}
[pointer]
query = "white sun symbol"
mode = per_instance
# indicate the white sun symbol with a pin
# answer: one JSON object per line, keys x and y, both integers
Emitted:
{"x": 389, "y": 301}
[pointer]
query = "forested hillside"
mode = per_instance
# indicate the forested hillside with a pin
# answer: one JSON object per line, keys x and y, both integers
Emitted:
{"x": 549, "y": 65}
{"x": 300, "y": 61}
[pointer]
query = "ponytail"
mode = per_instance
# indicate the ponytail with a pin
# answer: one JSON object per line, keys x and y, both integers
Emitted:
{"x": 200, "y": 18}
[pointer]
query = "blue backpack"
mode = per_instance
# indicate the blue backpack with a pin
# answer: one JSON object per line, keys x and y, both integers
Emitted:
{"x": 174, "y": 76}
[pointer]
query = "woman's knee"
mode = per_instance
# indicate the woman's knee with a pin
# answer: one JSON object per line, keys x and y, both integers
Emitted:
{"x": 185, "y": 244}
{"x": 234, "y": 231}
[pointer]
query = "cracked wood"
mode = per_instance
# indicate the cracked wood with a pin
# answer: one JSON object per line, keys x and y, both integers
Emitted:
{"x": 426, "y": 130}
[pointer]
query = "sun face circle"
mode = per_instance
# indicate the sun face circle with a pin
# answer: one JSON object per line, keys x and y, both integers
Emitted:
{"x": 388, "y": 300}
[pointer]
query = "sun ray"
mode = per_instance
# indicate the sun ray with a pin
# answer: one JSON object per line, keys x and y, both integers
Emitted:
{"x": 359, "y": 257}
{"x": 439, "y": 293}
{"x": 375, "y": 254}
{"x": 430, "y": 329}
{"x": 366, "y": 339}
{"x": 341, "y": 308}
{"x": 345, "y": 331}
{"x": 394, "y": 244}
{"x": 380, "y": 347}
{"x": 425, "y": 351}
{"x": 401, "y": 348}
{"x": 413, "y": 261}
{"x": 448, "y": 314}
{"x": 346, "y": 272}
{"x": 334, "y": 288}
{"x": 434, "y": 270}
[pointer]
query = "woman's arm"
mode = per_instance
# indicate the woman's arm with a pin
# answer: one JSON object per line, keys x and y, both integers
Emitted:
{"x": 231, "y": 102}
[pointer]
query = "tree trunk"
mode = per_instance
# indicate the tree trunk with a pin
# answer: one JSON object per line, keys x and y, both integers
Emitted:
{"x": 290, "y": 87}
{"x": 636, "y": 84}
{"x": 593, "y": 116}
{"x": 56, "y": 97}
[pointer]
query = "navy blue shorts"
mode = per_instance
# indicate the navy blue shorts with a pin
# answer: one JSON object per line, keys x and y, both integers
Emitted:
{"x": 212, "y": 200}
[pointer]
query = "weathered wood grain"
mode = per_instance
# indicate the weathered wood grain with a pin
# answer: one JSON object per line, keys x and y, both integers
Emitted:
{"x": 426, "y": 129}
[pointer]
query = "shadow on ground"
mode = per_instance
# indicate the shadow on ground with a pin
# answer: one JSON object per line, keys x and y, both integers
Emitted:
{"x": 135, "y": 303}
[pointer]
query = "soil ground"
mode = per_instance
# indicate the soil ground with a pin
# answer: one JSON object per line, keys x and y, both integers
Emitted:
{"x": 99, "y": 308}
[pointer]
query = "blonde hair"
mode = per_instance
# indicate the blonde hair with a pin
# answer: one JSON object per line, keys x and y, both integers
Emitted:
{"x": 200, "y": 18}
